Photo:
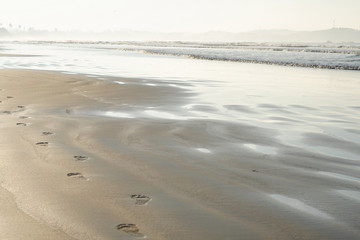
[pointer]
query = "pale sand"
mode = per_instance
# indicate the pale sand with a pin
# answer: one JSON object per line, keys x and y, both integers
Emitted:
{"x": 68, "y": 174}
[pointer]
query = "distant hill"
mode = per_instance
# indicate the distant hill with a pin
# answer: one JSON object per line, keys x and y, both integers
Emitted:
{"x": 3, "y": 32}
{"x": 328, "y": 35}
{"x": 336, "y": 35}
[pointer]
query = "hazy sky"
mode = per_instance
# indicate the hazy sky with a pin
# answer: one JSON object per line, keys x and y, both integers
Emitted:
{"x": 181, "y": 15}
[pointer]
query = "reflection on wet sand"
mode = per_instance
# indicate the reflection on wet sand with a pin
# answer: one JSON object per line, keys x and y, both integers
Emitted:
{"x": 241, "y": 153}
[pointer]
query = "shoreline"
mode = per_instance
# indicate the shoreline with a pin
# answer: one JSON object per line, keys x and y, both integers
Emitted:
{"x": 308, "y": 55}
{"x": 70, "y": 172}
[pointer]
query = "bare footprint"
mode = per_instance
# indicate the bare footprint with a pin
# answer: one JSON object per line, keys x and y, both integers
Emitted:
{"x": 141, "y": 199}
{"x": 44, "y": 144}
{"x": 21, "y": 124}
{"x": 76, "y": 175}
{"x": 47, "y": 133}
{"x": 81, "y": 158}
{"x": 131, "y": 229}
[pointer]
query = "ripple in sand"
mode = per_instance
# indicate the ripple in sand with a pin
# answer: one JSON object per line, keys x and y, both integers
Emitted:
{"x": 70, "y": 73}
{"x": 200, "y": 108}
{"x": 271, "y": 106}
{"x": 240, "y": 108}
{"x": 340, "y": 176}
{"x": 335, "y": 152}
{"x": 116, "y": 114}
{"x": 298, "y": 205}
{"x": 350, "y": 194}
{"x": 203, "y": 150}
{"x": 262, "y": 149}
{"x": 164, "y": 115}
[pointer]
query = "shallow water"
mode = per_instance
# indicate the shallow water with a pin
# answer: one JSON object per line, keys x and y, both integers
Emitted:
{"x": 306, "y": 107}
{"x": 298, "y": 205}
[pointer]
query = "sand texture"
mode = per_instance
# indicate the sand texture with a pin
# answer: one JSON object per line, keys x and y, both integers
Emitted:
{"x": 73, "y": 165}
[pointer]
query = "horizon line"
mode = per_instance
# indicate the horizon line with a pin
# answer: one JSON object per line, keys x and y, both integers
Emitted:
{"x": 146, "y": 31}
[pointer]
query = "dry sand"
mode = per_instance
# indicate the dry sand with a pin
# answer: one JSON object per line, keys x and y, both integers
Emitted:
{"x": 68, "y": 172}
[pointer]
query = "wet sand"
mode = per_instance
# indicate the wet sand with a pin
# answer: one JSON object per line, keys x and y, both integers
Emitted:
{"x": 82, "y": 158}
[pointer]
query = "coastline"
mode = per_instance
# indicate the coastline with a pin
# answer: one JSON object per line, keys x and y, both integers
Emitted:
{"x": 69, "y": 171}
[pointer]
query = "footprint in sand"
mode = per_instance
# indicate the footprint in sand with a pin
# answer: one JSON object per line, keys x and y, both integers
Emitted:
{"x": 47, "y": 133}
{"x": 9, "y": 97}
{"x": 81, "y": 158}
{"x": 141, "y": 199}
{"x": 44, "y": 144}
{"x": 76, "y": 175}
{"x": 7, "y": 112}
{"x": 23, "y": 117}
{"x": 131, "y": 229}
{"x": 20, "y": 106}
{"x": 21, "y": 124}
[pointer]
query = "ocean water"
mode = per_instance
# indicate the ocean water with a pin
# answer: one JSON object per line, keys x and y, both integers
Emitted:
{"x": 311, "y": 108}
{"x": 330, "y": 56}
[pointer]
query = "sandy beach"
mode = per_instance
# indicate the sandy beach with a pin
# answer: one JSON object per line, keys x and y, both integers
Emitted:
{"x": 179, "y": 120}
{"x": 71, "y": 171}
{"x": 72, "y": 168}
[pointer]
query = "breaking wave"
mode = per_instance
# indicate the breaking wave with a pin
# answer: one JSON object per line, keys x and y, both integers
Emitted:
{"x": 330, "y": 57}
